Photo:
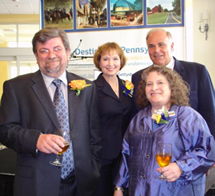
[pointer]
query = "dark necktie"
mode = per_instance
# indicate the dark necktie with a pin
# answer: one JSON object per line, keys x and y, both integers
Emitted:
{"x": 63, "y": 118}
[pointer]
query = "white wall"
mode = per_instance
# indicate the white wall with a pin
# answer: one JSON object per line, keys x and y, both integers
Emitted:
{"x": 204, "y": 50}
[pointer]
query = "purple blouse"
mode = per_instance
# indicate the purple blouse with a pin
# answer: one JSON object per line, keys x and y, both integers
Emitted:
{"x": 193, "y": 149}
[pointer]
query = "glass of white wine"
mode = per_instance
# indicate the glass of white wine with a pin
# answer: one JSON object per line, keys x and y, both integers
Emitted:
{"x": 163, "y": 156}
{"x": 57, "y": 162}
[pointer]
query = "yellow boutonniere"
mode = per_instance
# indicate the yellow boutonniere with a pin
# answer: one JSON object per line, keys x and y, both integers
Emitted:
{"x": 128, "y": 88}
{"x": 2, "y": 146}
{"x": 78, "y": 85}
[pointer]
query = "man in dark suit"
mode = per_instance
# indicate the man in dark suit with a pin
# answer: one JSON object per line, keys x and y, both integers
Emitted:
{"x": 202, "y": 95}
{"x": 29, "y": 124}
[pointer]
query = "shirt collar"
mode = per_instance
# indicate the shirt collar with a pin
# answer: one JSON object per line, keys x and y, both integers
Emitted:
{"x": 171, "y": 64}
{"x": 48, "y": 80}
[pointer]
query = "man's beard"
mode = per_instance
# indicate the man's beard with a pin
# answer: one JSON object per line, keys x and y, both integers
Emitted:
{"x": 50, "y": 69}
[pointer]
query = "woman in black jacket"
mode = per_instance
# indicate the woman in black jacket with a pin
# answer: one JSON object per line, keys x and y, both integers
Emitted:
{"x": 115, "y": 109}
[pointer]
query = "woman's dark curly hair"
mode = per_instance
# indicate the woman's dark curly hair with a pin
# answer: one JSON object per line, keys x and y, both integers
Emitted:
{"x": 178, "y": 87}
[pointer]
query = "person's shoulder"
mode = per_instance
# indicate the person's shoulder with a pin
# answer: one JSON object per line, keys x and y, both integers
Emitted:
{"x": 138, "y": 72}
{"x": 21, "y": 79}
{"x": 190, "y": 119}
{"x": 121, "y": 80}
{"x": 143, "y": 113}
{"x": 99, "y": 81}
{"x": 135, "y": 78}
{"x": 182, "y": 109}
{"x": 191, "y": 68}
{"x": 186, "y": 111}
{"x": 191, "y": 65}
{"x": 78, "y": 77}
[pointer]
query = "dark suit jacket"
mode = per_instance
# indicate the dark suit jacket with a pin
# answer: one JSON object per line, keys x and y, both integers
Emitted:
{"x": 115, "y": 114}
{"x": 26, "y": 112}
{"x": 7, "y": 161}
{"x": 202, "y": 95}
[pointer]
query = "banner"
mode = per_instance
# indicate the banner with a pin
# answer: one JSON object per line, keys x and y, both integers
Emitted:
{"x": 132, "y": 42}
{"x": 90, "y": 24}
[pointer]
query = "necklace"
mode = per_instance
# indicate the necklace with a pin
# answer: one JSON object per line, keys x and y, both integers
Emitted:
{"x": 114, "y": 86}
{"x": 116, "y": 89}
{"x": 162, "y": 108}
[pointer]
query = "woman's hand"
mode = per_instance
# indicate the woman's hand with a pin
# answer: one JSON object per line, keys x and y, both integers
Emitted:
{"x": 118, "y": 193}
{"x": 209, "y": 169}
{"x": 172, "y": 172}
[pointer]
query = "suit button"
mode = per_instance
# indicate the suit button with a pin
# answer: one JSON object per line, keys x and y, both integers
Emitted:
{"x": 147, "y": 156}
{"x": 143, "y": 176}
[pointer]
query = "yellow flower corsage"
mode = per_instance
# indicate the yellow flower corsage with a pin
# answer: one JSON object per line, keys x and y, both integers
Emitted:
{"x": 162, "y": 116}
{"x": 78, "y": 85}
{"x": 128, "y": 88}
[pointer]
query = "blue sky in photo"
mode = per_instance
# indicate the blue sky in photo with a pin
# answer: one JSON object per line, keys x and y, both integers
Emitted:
{"x": 164, "y": 3}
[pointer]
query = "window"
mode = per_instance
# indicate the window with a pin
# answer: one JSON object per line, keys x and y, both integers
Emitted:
{"x": 17, "y": 35}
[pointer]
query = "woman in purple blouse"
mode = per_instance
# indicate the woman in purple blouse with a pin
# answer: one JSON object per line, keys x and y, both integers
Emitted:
{"x": 165, "y": 117}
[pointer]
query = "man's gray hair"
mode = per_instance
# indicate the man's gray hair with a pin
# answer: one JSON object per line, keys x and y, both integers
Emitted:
{"x": 169, "y": 35}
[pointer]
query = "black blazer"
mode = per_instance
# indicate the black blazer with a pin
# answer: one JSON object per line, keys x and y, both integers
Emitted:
{"x": 27, "y": 111}
{"x": 115, "y": 114}
{"x": 202, "y": 95}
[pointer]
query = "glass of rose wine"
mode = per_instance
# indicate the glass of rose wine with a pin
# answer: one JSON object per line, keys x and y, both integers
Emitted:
{"x": 163, "y": 156}
{"x": 57, "y": 162}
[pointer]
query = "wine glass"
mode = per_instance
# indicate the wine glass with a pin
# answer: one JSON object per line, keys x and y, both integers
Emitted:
{"x": 163, "y": 156}
{"x": 57, "y": 162}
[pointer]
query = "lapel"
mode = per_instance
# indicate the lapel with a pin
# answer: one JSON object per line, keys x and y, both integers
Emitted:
{"x": 106, "y": 88}
{"x": 73, "y": 99}
{"x": 178, "y": 67}
{"x": 42, "y": 94}
{"x": 44, "y": 98}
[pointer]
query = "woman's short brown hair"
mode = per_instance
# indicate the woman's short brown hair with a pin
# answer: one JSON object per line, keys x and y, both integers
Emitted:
{"x": 178, "y": 87}
{"x": 107, "y": 47}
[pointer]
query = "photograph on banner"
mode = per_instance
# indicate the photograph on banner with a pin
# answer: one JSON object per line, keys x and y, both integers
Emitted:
{"x": 126, "y": 12}
{"x": 91, "y": 14}
{"x": 58, "y": 14}
{"x": 164, "y": 12}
